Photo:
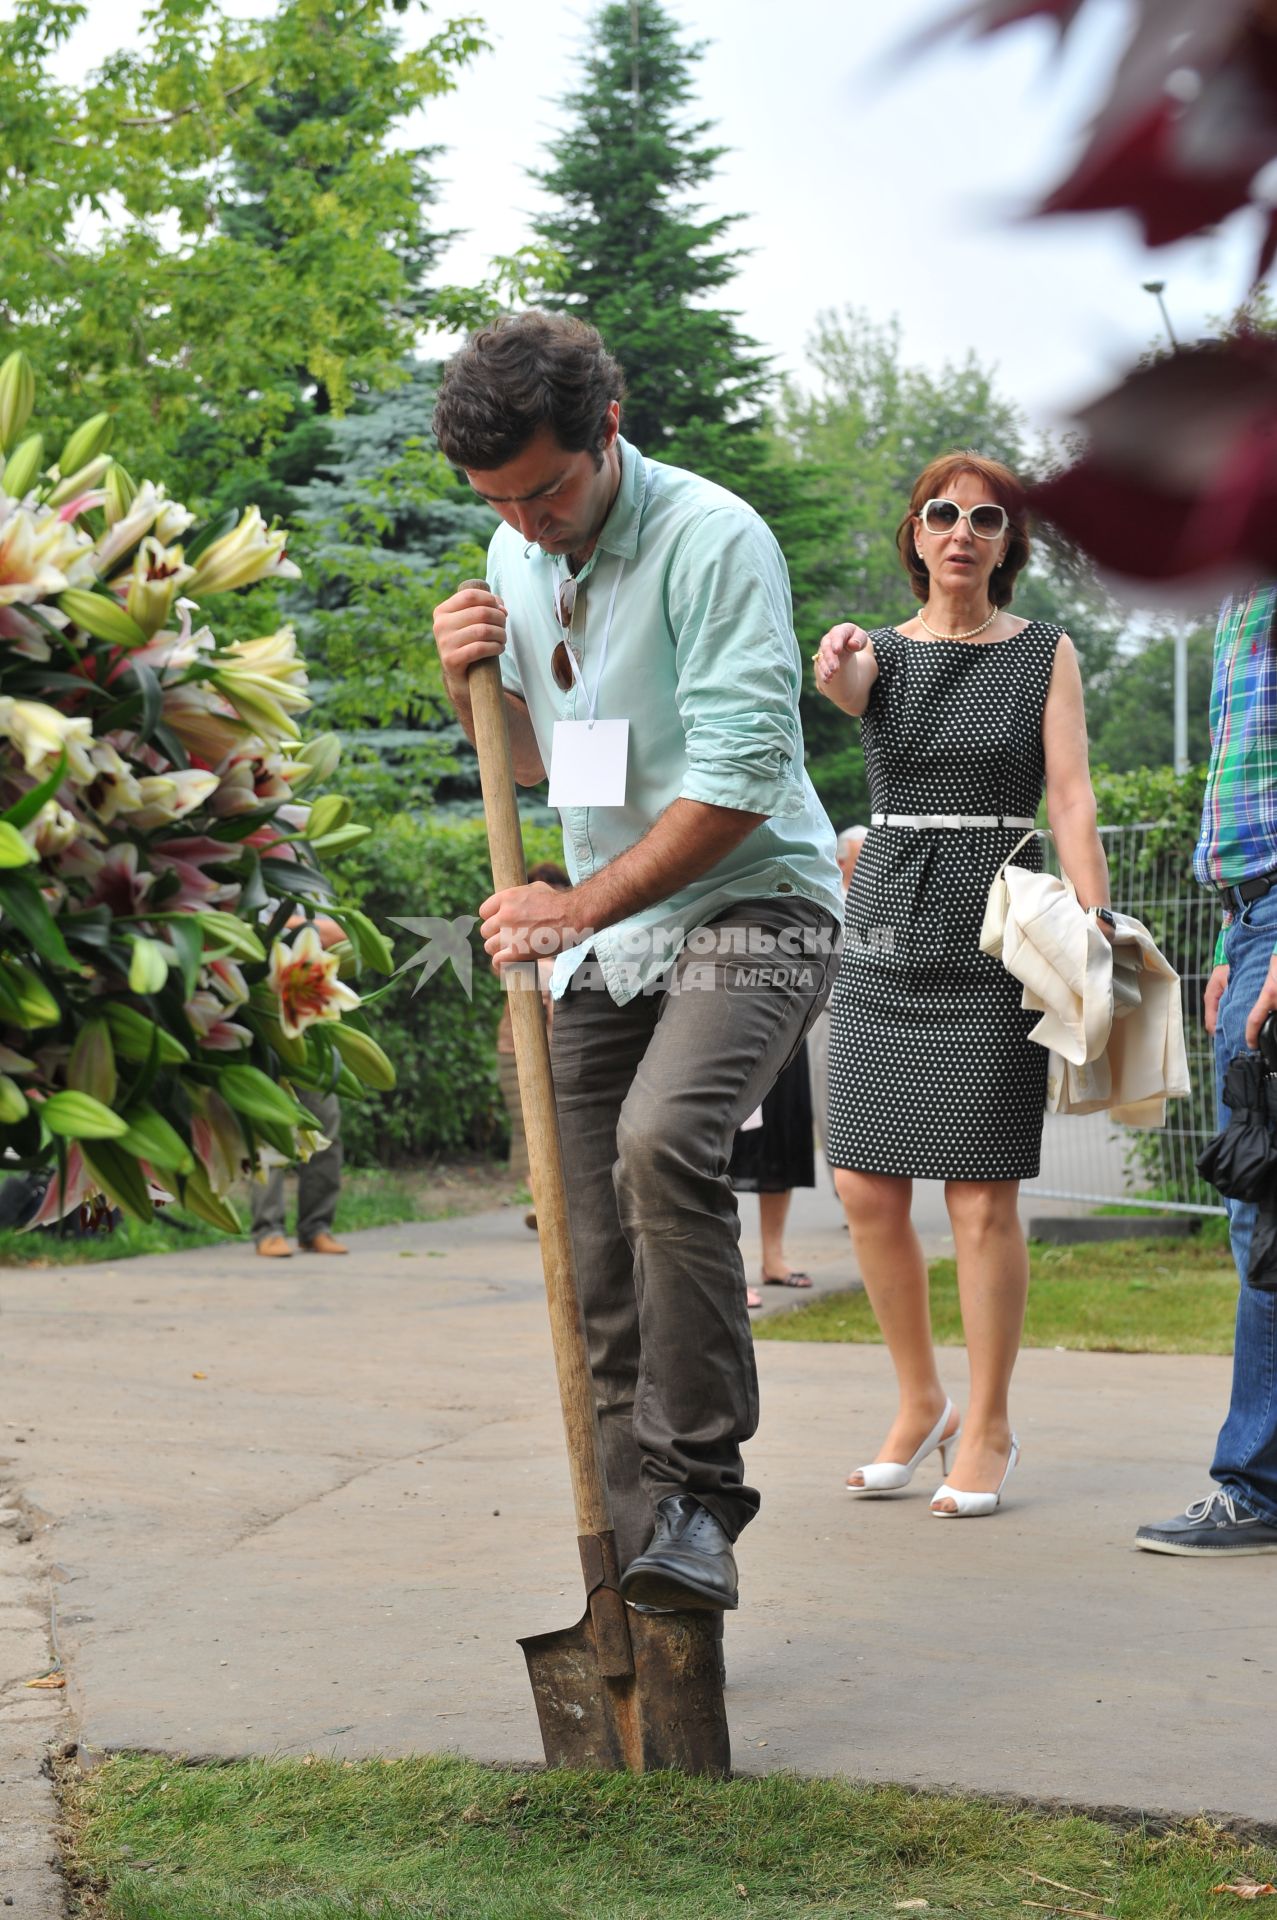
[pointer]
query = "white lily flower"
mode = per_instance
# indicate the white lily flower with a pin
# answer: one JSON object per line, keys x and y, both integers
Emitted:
{"x": 249, "y": 552}
{"x": 40, "y": 734}
{"x": 157, "y": 577}
{"x": 168, "y": 796}
{"x": 41, "y": 554}
{"x": 114, "y": 787}
{"x": 145, "y": 508}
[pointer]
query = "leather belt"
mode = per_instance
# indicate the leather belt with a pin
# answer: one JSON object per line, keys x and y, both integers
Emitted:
{"x": 1255, "y": 888}
{"x": 925, "y": 820}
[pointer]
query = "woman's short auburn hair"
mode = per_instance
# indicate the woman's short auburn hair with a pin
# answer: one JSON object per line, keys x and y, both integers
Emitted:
{"x": 1003, "y": 487}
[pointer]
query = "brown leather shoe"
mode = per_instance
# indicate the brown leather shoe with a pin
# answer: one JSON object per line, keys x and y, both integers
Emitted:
{"x": 274, "y": 1247}
{"x": 322, "y": 1243}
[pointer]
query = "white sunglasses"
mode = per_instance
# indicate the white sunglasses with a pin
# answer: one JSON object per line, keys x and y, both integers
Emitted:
{"x": 987, "y": 521}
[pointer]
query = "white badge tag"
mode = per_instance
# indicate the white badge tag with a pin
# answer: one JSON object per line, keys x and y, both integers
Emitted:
{"x": 588, "y": 763}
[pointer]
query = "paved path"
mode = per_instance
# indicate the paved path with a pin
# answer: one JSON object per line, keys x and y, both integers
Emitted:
{"x": 309, "y": 1505}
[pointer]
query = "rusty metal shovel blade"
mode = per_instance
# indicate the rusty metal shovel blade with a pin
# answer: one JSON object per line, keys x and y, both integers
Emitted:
{"x": 667, "y": 1713}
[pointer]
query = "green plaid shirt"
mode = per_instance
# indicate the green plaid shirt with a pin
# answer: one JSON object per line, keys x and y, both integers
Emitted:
{"x": 1239, "y": 811}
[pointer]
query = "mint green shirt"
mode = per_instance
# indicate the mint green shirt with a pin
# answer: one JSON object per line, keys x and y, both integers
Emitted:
{"x": 703, "y": 663}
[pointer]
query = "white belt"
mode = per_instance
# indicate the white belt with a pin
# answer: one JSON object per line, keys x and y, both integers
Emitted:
{"x": 924, "y": 820}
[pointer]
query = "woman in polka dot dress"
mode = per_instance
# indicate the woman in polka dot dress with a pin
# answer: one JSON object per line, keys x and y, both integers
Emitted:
{"x": 967, "y": 713}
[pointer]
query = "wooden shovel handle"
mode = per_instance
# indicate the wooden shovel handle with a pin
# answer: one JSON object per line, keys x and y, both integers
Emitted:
{"x": 540, "y": 1118}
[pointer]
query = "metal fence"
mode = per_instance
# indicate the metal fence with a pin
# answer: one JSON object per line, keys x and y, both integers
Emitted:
{"x": 1090, "y": 1158}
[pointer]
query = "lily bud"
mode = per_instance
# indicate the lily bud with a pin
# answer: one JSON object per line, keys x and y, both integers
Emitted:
{"x": 82, "y": 481}
{"x": 318, "y": 761}
{"x": 36, "y": 1006}
{"x": 17, "y": 397}
{"x": 101, "y": 617}
{"x": 86, "y": 443}
{"x": 79, "y": 1116}
{"x": 22, "y": 466}
{"x": 120, "y": 489}
{"x": 14, "y": 850}
{"x": 13, "y": 1102}
{"x": 148, "y": 968}
{"x": 331, "y": 810}
{"x": 91, "y": 1067}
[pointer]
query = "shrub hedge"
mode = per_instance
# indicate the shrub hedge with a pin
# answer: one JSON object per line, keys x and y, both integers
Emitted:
{"x": 442, "y": 1043}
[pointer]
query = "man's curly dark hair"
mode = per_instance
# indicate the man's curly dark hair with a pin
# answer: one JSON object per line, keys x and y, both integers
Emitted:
{"x": 521, "y": 373}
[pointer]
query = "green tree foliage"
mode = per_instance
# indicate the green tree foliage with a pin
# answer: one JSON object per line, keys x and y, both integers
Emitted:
{"x": 639, "y": 259}
{"x": 387, "y": 531}
{"x": 218, "y": 221}
{"x": 1134, "y": 726}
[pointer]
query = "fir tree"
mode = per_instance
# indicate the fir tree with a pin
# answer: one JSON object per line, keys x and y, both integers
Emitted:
{"x": 387, "y": 532}
{"x": 640, "y": 260}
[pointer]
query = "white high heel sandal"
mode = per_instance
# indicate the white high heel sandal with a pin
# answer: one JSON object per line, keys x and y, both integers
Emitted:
{"x": 888, "y": 1476}
{"x": 974, "y": 1506}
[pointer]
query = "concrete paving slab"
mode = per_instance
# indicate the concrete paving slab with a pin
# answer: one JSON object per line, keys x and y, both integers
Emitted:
{"x": 34, "y": 1723}
{"x": 308, "y": 1506}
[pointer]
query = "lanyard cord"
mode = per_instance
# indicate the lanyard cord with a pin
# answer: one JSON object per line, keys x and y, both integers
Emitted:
{"x": 592, "y": 704}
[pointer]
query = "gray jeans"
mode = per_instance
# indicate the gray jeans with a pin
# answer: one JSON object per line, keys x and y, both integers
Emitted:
{"x": 318, "y": 1179}
{"x": 650, "y": 1096}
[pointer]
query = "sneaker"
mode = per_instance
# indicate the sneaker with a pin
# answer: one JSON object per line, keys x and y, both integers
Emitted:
{"x": 1213, "y": 1524}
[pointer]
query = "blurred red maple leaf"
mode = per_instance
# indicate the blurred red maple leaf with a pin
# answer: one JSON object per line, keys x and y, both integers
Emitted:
{"x": 1190, "y": 118}
{"x": 1179, "y": 480}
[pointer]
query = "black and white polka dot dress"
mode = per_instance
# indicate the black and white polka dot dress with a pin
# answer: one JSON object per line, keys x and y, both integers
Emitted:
{"x": 931, "y": 1071}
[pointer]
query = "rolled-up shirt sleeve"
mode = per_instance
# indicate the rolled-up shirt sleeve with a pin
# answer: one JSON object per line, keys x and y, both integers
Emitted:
{"x": 738, "y": 673}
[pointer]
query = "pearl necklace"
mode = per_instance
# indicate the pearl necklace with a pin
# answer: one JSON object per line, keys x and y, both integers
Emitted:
{"x": 970, "y": 634}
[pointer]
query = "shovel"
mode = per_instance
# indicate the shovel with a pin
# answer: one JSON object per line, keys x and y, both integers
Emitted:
{"x": 620, "y": 1689}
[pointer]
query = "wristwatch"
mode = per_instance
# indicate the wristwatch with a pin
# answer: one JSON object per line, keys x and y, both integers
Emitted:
{"x": 1107, "y": 916}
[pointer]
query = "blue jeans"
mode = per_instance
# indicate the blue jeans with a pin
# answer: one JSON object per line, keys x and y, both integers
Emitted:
{"x": 1245, "y": 1463}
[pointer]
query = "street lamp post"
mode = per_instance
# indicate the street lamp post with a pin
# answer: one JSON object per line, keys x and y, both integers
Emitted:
{"x": 1157, "y": 288}
{"x": 1180, "y": 749}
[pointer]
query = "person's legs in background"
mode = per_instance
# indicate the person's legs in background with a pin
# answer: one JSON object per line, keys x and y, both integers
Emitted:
{"x": 319, "y": 1178}
{"x": 269, "y": 1202}
{"x": 1241, "y": 1517}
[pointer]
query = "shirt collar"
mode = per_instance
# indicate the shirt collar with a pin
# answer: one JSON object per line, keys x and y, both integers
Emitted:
{"x": 620, "y": 531}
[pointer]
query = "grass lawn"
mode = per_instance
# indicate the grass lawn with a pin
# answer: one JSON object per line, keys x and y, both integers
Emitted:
{"x": 1130, "y": 1296}
{"x": 370, "y": 1197}
{"x": 400, "y": 1840}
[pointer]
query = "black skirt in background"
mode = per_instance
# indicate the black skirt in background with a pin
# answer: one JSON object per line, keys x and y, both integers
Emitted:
{"x": 781, "y": 1153}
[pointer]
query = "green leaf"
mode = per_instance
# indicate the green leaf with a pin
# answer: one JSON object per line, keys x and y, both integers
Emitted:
{"x": 24, "y": 811}
{"x": 23, "y": 903}
{"x": 188, "y": 942}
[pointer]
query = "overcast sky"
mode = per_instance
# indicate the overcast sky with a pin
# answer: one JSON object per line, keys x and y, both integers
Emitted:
{"x": 871, "y": 177}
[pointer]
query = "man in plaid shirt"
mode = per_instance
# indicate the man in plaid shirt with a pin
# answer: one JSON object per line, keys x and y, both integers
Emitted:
{"x": 1237, "y": 856}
